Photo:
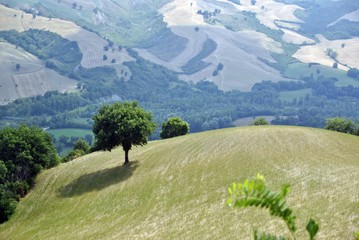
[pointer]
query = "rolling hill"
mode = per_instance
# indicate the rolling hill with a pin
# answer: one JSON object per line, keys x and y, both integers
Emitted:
{"x": 177, "y": 188}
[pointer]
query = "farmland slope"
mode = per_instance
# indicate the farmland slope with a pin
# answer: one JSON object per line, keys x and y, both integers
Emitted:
{"x": 177, "y": 188}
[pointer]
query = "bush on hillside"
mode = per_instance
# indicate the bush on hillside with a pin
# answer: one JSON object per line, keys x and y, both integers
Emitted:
{"x": 174, "y": 127}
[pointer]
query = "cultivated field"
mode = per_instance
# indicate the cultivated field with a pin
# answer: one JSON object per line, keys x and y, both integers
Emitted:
{"x": 31, "y": 79}
{"x": 177, "y": 188}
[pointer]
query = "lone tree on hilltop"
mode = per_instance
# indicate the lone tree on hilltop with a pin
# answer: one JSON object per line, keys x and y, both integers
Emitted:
{"x": 124, "y": 124}
{"x": 174, "y": 127}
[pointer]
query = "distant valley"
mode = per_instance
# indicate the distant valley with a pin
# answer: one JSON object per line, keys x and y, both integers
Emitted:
{"x": 210, "y": 61}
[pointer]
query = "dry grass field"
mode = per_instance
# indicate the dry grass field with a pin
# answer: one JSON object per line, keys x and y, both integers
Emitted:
{"x": 177, "y": 188}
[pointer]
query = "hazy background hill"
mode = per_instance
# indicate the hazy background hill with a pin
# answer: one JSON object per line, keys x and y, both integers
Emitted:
{"x": 177, "y": 188}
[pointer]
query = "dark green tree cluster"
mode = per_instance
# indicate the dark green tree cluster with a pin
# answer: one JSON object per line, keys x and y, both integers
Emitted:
{"x": 174, "y": 127}
{"x": 342, "y": 125}
{"x": 24, "y": 152}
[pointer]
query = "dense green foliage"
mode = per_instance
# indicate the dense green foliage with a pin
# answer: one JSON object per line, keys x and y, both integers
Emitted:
{"x": 342, "y": 125}
{"x": 24, "y": 152}
{"x": 174, "y": 127}
{"x": 254, "y": 193}
{"x": 125, "y": 124}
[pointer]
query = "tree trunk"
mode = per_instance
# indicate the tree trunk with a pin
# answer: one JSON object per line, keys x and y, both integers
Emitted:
{"x": 126, "y": 157}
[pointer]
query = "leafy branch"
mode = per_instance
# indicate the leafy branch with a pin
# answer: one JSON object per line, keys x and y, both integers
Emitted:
{"x": 254, "y": 193}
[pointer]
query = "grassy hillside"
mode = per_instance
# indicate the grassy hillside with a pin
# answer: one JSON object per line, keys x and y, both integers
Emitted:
{"x": 177, "y": 188}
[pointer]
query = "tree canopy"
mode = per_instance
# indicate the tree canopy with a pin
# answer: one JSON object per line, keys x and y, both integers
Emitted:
{"x": 342, "y": 125}
{"x": 24, "y": 152}
{"x": 174, "y": 127}
{"x": 124, "y": 124}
